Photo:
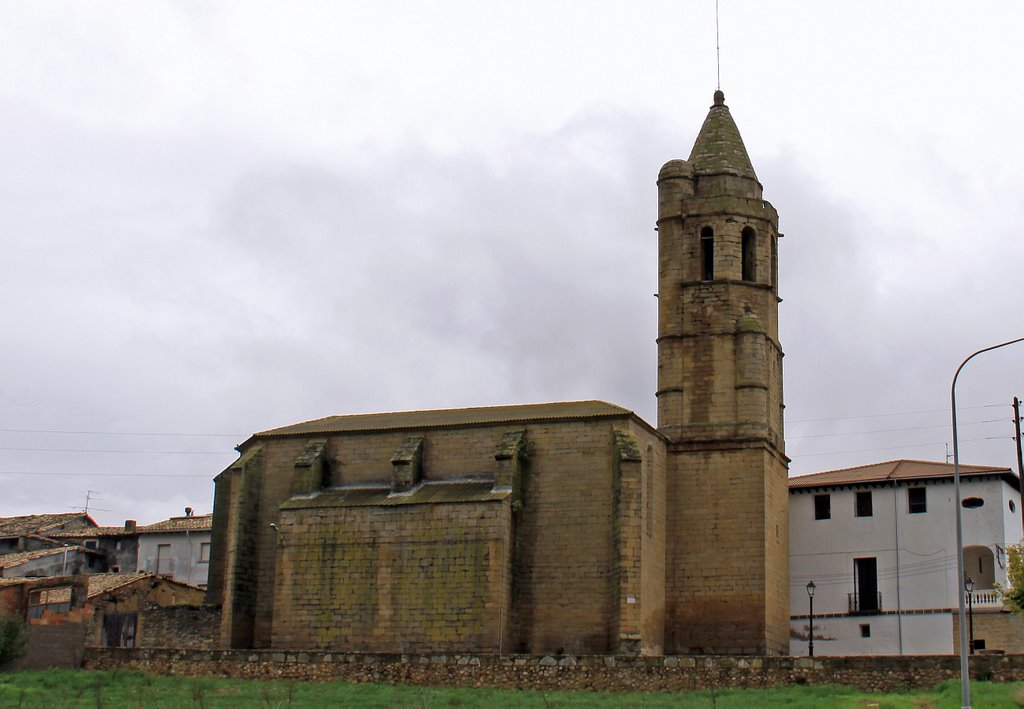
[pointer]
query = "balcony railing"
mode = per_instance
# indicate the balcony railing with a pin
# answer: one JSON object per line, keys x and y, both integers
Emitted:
{"x": 986, "y": 598}
{"x": 865, "y": 603}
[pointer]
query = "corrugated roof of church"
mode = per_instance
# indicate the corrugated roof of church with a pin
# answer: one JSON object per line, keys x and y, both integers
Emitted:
{"x": 893, "y": 470}
{"x": 40, "y": 524}
{"x": 719, "y": 149}
{"x": 446, "y": 418}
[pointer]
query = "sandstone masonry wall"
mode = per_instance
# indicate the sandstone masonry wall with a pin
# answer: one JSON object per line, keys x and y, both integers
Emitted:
{"x": 412, "y": 578}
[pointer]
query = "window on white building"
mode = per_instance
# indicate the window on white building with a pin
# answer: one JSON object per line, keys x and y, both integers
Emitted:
{"x": 822, "y": 507}
{"x": 204, "y": 552}
{"x": 863, "y": 506}
{"x": 865, "y": 630}
{"x": 918, "y": 500}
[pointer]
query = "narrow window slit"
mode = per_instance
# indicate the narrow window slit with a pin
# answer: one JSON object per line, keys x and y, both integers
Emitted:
{"x": 707, "y": 253}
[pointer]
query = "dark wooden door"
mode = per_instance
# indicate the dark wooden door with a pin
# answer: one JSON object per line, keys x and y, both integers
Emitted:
{"x": 119, "y": 630}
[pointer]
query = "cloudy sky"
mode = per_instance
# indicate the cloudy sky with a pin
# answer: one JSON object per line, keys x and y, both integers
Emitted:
{"x": 221, "y": 217}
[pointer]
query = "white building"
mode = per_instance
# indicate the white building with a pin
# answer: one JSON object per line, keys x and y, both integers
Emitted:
{"x": 178, "y": 548}
{"x": 879, "y": 541}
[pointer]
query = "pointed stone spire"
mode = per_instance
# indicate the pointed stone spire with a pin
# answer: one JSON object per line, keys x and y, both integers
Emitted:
{"x": 719, "y": 148}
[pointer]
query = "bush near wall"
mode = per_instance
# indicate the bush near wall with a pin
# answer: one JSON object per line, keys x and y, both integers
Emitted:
{"x": 13, "y": 639}
{"x": 602, "y": 673}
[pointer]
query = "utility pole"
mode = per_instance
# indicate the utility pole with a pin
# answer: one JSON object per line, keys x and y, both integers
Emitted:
{"x": 1016, "y": 424}
{"x": 1020, "y": 458}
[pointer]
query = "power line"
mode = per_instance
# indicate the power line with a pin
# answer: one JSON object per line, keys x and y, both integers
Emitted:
{"x": 107, "y": 475}
{"x": 102, "y": 450}
{"x": 889, "y": 448}
{"x": 897, "y": 413}
{"x": 123, "y": 433}
{"x": 886, "y": 430}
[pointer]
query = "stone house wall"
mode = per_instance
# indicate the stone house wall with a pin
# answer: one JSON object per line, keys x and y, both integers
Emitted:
{"x": 1002, "y": 631}
{"x": 146, "y": 598}
{"x": 193, "y": 627}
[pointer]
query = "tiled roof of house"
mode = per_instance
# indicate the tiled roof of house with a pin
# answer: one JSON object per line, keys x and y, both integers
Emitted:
{"x": 444, "y": 418}
{"x": 191, "y": 523}
{"x": 40, "y": 524}
{"x": 8, "y": 561}
{"x": 104, "y": 583}
{"x": 92, "y": 532}
{"x": 101, "y": 583}
{"x": 893, "y": 470}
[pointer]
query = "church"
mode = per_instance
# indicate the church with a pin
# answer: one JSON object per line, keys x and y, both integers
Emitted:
{"x": 571, "y": 527}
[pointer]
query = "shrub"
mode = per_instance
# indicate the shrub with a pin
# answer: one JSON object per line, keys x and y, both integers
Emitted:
{"x": 1014, "y": 594}
{"x": 12, "y": 639}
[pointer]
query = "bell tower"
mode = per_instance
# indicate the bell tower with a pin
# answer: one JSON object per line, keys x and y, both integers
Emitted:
{"x": 720, "y": 401}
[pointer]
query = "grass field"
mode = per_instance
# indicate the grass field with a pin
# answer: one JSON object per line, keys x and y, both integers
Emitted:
{"x": 81, "y": 688}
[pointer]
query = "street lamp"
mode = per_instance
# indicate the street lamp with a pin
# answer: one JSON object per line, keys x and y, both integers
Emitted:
{"x": 810, "y": 635}
{"x": 969, "y": 587}
{"x": 965, "y": 678}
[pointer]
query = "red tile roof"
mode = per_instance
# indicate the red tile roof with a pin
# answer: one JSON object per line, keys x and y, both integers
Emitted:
{"x": 101, "y": 583}
{"x": 893, "y": 470}
{"x": 191, "y": 523}
{"x": 8, "y": 561}
{"x": 40, "y": 524}
{"x": 91, "y": 532}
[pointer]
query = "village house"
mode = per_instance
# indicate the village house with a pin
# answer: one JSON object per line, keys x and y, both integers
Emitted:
{"x": 878, "y": 542}
{"x": 119, "y": 546}
{"x": 33, "y": 532}
{"x": 135, "y": 609}
{"x": 177, "y": 548}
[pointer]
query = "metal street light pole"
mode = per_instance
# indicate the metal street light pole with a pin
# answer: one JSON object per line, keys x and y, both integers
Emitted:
{"x": 810, "y": 635}
{"x": 965, "y": 678}
{"x": 969, "y": 587}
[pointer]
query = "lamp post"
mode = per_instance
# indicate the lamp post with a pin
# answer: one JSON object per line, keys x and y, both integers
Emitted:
{"x": 810, "y": 635}
{"x": 965, "y": 679}
{"x": 969, "y": 587}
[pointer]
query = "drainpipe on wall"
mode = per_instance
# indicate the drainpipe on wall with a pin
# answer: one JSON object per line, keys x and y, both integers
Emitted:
{"x": 188, "y": 576}
{"x": 899, "y": 601}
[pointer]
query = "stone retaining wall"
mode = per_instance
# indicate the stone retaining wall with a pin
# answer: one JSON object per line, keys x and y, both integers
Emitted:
{"x": 592, "y": 672}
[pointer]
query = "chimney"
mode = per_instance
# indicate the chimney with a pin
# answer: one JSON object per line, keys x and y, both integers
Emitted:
{"x": 129, "y": 525}
{"x": 188, "y": 511}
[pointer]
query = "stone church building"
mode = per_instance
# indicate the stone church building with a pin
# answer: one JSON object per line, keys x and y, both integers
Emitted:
{"x": 548, "y": 528}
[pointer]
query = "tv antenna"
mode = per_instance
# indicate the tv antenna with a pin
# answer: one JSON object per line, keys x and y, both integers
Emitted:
{"x": 88, "y": 499}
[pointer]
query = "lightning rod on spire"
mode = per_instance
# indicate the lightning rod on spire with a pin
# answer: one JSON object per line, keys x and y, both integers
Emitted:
{"x": 718, "y": 52}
